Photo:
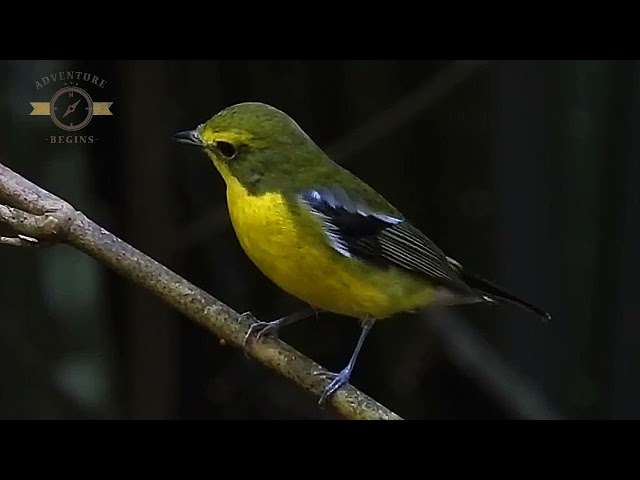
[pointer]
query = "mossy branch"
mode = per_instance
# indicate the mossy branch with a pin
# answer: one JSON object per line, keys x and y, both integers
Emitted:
{"x": 42, "y": 219}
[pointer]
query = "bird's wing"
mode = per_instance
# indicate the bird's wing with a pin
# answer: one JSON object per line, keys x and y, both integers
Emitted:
{"x": 356, "y": 230}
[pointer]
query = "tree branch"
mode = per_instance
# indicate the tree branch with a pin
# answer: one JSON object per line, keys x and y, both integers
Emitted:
{"x": 39, "y": 214}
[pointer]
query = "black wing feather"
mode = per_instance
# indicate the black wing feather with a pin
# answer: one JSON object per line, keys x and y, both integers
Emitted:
{"x": 355, "y": 230}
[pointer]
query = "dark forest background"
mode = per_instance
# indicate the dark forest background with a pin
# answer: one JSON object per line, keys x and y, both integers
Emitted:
{"x": 525, "y": 171}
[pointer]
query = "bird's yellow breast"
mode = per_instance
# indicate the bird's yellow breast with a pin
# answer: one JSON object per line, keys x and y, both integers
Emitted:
{"x": 292, "y": 252}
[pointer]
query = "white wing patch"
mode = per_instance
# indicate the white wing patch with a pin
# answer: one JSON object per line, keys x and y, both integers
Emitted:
{"x": 337, "y": 241}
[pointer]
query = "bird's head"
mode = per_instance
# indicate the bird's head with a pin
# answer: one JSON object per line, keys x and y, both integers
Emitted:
{"x": 251, "y": 141}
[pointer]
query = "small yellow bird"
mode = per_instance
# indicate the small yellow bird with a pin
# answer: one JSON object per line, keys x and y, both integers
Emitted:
{"x": 322, "y": 234}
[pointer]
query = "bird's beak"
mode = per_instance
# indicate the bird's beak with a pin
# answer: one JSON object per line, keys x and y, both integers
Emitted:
{"x": 190, "y": 137}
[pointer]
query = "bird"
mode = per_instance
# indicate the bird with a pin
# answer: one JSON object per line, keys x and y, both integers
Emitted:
{"x": 323, "y": 235}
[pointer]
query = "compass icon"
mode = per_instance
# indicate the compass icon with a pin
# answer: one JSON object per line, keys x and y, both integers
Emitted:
{"x": 71, "y": 108}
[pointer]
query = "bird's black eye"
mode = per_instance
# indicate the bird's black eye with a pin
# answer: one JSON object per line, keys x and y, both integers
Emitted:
{"x": 226, "y": 149}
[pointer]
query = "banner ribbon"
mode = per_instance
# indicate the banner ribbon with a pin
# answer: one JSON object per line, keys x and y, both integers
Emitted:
{"x": 44, "y": 108}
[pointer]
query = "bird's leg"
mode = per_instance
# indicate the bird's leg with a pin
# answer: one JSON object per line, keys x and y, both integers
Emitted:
{"x": 271, "y": 328}
{"x": 339, "y": 379}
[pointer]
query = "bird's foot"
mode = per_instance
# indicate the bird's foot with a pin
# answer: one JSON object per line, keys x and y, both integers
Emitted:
{"x": 337, "y": 380}
{"x": 259, "y": 328}
{"x": 262, "y": 328}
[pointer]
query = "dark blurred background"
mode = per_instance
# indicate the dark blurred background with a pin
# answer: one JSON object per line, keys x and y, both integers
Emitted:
{"x": 525, "y": 171}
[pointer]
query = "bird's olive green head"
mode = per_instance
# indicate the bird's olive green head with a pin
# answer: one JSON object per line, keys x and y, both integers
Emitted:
{"x": 256, "y": 144}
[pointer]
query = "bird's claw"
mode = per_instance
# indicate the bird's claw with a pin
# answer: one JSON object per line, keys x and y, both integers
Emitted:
{"x": 248, "y": 316}
{"x": 258, "y": 329}
{"x": 337, "y": 380}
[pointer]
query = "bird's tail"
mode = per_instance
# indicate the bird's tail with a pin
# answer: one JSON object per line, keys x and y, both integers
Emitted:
{"x": 493, "y": 293}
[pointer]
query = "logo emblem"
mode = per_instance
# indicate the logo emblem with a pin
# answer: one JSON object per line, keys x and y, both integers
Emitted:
{"x": 71, "y": 107}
